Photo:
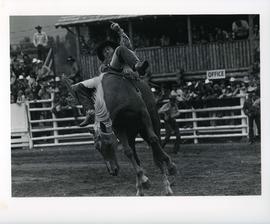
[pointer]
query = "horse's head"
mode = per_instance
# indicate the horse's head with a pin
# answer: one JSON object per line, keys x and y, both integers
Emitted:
{"x": 106, "y": 143}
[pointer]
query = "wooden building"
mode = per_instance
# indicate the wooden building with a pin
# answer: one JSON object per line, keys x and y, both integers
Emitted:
{"x": 182, "y": 51}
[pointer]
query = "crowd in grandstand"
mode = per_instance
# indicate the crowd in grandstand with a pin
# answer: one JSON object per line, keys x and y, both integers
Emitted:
{"x": 201, "y": 34}
{"x": 195, "y": 93}
{"x": 32, "y": 80}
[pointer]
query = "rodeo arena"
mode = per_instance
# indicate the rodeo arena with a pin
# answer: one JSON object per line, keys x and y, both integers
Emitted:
{"x": 141, "y": 105}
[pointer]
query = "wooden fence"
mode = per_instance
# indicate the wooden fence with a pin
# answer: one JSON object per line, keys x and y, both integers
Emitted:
{"x": 195, "y": 124}
{"x": 197, "y": 57}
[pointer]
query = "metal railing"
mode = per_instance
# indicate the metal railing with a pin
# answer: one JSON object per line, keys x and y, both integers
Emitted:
{"x": 203, "y": 123}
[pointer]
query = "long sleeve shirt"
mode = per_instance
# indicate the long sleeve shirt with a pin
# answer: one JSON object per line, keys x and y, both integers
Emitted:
{"x": 124, "y": 40}
{"x": 169, "y": 110}
{"x": 40, "y": 39}
{"x": 252, "y": 107}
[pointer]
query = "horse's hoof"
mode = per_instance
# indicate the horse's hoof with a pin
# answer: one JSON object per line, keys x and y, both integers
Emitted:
{"x": 139, "y": 193}
{"x": 172, "y": 169}
{"x": 146, "y": 185}
{"x": 169, "y": 192}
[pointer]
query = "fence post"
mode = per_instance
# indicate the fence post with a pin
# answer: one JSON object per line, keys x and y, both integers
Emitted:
{"x": 244, "y": 120}
{"x": 31, "y": 144}
{"x": 194, "y": 116}
{"x": 55, "y": 125}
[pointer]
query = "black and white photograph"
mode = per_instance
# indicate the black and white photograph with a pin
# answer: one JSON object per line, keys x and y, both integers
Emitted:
{"x": 162, "y": 107}
{"x": 124, "y": 105}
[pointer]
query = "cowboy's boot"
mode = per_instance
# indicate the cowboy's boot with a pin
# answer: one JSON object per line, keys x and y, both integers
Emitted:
{"x": 140, "y": 67}
{"x": 84, "y": 96}
{"x": 89, "y": 119}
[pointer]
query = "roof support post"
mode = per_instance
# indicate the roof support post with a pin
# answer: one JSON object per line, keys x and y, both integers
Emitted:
{"x": 77, "y": 32}
{"x": 251, "y": 37}
{"x": 189, "y": 30}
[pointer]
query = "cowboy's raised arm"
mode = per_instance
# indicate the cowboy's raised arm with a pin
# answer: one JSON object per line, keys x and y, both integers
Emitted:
{"x": 124, "y": 39}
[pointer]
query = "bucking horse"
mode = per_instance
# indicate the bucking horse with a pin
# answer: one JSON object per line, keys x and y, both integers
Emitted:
{"x": 132, "y": 110}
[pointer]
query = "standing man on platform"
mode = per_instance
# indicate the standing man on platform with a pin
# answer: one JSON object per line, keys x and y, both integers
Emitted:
{"x": 40, "y": 41}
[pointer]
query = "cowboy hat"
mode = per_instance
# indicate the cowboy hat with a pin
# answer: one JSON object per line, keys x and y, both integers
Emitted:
{"x": 232, "y": 79}
{"x": 57, "y": 79}
{"x": 153, "y": 89}
{"x": 246, "y": 79}
{"x": 102, "y": 45}
{"x": 38, "y": 27}
{"x": 251, "y": 89}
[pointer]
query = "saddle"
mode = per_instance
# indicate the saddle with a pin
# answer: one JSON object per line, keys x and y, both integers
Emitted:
{"x": 133, "y": 77}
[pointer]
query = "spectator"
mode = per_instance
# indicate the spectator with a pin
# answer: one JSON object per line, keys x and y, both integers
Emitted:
{"x": 12, "y": 98}
{"x": 45, "y": 92}
{"x": 15, "y": 65}
{"x": 228, "y": 92}
{"x": 217, "y": 91}
{"x": 240, "y": 29}
{"x": 29, "y": 94}
{"x": 12, "y": 77}
{"x": 237, "y": 90}
{"x": 31, "y": 80}
{"x": 170, "y": 112}
{"x": 204, "y": 38}
{"x": 63, "y": 101}
{"x": 74, "y": 74}
{"x": 27, "y": 64}
{"x": 22, "y": 83}
{"x": 252, "y": 110}
{"x": 43, "y": 72}
{"x": 256, "y": 32}
{"x": 180, "y": 95}
{"x": 40, "y": 41}
{"x": 221, "y": 35}
{"x": 84, "y": 48}
{"x": 243, "y": 89}
{"x": 21, "y": 97}
{"x": 164, "y": 41}
{"x": 195, "y": 35}
{"x": 208, "y": 92}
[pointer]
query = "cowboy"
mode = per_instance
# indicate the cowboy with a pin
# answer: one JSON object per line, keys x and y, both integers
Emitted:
{"x": 119, "y": 59}
{"x": 40, "y": 41}
{"x": 252, "y": 110}
{"x": 170, "y": 112}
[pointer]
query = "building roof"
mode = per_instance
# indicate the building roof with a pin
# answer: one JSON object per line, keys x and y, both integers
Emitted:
{"x": 72, "y": 20}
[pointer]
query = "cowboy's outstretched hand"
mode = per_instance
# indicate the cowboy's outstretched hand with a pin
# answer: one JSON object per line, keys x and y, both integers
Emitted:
{"x": 115, "y": 27}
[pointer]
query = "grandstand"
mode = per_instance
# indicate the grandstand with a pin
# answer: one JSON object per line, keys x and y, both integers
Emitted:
{"x": 184, "y": 52}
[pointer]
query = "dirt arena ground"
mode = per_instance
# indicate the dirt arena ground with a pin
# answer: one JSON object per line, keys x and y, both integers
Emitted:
{"x": 204, "y": 169}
